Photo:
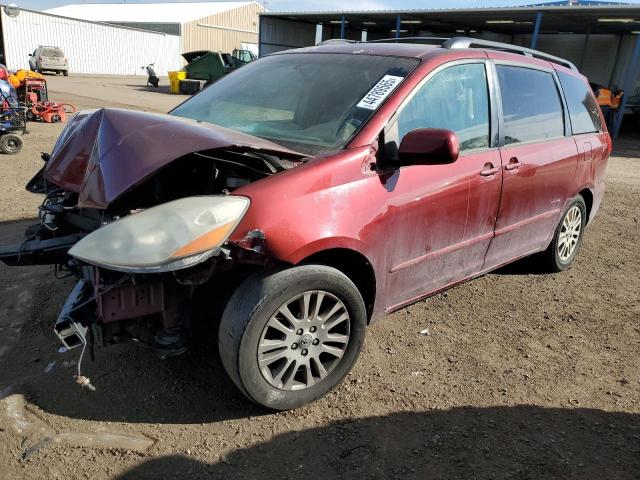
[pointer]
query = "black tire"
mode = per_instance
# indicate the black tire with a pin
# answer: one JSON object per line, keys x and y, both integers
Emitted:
{"x": 10, "y": 143}
{"x": 65, "y": 73}
{"x": 551, "y": 257}
{"x": 251, "y": 307}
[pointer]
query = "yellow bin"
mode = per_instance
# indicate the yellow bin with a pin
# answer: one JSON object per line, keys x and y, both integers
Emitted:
{"x": 174, "y": 80}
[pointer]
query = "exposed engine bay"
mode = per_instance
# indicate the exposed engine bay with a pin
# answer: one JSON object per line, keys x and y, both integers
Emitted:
{"x": 149, "y": 303}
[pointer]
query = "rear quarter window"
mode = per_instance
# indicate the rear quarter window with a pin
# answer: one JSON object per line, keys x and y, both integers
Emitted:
{"x": 583, "y": 109}
{"x": 531, "y": 104}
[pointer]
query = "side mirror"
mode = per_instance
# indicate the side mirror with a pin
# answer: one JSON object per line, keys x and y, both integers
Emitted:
{"x": 429, "y": 146}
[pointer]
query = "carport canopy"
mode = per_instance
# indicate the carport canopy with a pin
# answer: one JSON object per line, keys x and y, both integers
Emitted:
{"x": 583, "y": 19}
{"x": 587, "y": 17}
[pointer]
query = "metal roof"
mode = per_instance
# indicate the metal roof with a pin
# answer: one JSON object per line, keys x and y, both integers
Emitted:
{"x": 145, "y": 12}
{"x": 564, "y": 18}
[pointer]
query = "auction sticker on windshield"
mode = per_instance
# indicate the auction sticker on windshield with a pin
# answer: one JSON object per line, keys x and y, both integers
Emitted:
{"x": 380, "y": 91}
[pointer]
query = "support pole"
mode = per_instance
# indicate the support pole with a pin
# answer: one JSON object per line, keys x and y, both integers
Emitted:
{"x": 319, "y": 28}
{"x": 398, "y": 25}
{"x": 536, "y": 31}
{"x": 584, "y": 50}
{"x": 261, "y": 31}
{"x": 616, "y": 61}
{"x": 629, "y": 84}
{"x": 342, "y": 27}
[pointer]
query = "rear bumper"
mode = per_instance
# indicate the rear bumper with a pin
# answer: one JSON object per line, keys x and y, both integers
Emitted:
{"x": 58, "y": 68}
{"x": 39, "y": 252}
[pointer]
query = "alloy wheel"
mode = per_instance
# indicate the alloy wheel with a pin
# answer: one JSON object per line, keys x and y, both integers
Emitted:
{"x": 304, "y": 340}
{"x": 569, "y": 233}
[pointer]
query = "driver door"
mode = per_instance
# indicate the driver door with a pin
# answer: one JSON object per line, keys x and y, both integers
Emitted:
{"x": 442, "y": 217}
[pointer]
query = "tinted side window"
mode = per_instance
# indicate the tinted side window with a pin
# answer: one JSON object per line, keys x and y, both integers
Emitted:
{"x": 455, "y": 99}
{"x": 583, "y": 108}
{"x": 531, "y": 104}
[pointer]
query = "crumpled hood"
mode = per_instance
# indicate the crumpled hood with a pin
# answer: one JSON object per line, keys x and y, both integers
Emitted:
{"x": 104, "y": 153}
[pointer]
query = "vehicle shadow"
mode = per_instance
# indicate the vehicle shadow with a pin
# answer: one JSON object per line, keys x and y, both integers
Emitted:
{"x": 525, "y": 266}
{"x": 522, "y": 442}
{"x": 160, "y": 89}
{"x": 133, "y": 384}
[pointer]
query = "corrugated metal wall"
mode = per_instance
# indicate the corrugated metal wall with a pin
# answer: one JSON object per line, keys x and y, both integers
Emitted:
{"x": 90, "y": 47}
{"x": 598, "y": 61}
{"x": 278, "y": 34}
{"x": 198, "y": 37}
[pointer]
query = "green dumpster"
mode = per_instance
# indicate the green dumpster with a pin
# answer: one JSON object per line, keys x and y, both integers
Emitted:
{"x": 206, "y": 65}
{"x": 210, "y": 66}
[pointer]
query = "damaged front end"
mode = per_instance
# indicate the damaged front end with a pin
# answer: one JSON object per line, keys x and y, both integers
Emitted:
{"x": 139, "y": 208}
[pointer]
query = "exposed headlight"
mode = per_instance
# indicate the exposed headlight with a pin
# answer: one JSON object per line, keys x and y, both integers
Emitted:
{"x": 168, "y": 237}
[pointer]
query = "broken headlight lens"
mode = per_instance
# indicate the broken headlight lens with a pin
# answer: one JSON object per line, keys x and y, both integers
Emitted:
{"x": 167, "y": 237}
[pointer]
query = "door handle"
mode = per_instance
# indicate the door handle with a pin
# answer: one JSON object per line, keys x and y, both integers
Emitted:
{"x": 489, "y": 170}
{"x": 513, "y": 164}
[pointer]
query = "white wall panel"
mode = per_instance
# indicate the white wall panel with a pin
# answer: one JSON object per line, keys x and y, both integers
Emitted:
{"x": 90, "y": 47}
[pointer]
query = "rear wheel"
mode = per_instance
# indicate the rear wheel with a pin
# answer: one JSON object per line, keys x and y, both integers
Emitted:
{"x": 567, "y": 238}
{"x": 10, "y": 143}
{"x": 289, "y": 336}
{"x": 65, "y": 73}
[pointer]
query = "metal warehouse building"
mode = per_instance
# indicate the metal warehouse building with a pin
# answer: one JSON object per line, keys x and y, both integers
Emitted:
{"x": 90, "y": 47}
{"x": 601, "y": 38}
{"x": 217, "y": 26}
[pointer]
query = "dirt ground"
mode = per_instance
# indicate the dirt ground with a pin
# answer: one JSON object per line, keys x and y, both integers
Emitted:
{"x": 521, "y": 376}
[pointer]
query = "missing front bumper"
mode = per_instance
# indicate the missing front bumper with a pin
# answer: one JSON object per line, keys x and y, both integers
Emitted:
{"x": 39, "y": 252}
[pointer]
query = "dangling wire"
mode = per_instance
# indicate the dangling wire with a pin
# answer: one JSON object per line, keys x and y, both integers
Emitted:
{"x": 84, "y": 382}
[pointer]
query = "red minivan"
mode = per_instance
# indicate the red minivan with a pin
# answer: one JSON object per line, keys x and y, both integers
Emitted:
{"x": 311, "y": 192}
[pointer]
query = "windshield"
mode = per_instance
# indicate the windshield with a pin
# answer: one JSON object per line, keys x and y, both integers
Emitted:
{"x": 309, "y": 102}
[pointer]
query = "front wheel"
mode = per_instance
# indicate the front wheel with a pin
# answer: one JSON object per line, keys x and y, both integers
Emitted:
{"x": 289, "y": 336}
{"x": 567, "y": 238}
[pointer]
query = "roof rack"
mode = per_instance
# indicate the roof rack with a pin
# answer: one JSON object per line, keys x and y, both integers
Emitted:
{"x": 337, "y": 40}
{"x": 421, "y": 40}
{"x": 467, "y": 42}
